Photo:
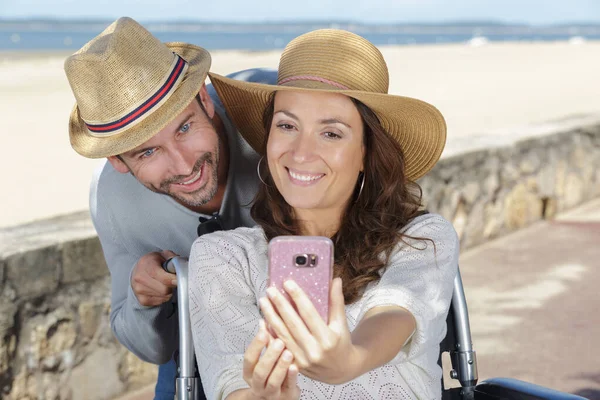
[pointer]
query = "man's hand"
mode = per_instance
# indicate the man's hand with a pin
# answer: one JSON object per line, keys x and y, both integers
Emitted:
{"x": 151, "y": 284}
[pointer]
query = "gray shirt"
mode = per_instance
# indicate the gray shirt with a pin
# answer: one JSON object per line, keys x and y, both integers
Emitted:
{"x": 132, "y": 221}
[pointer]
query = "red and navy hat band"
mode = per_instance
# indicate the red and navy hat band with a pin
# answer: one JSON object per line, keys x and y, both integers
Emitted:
{"x": 146, "y": 106}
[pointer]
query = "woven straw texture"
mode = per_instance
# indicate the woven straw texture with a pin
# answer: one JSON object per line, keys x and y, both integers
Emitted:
{"x": 116, "y": 73}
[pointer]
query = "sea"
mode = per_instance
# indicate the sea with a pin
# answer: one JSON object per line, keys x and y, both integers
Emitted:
{"x": 50, "y": 37}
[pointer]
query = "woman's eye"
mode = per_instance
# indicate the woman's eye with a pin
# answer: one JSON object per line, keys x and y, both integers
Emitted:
{"x": 185, "y": 128}
{"x": 332, "y": 135}
{"x": 287, "y": 127}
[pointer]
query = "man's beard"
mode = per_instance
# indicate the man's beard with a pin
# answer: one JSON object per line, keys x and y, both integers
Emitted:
{"x": 203, "y": 194}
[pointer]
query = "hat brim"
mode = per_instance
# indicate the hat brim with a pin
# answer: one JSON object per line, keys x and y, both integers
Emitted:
{"x": 417, "y": 126}
{"x": 90, "y": 146}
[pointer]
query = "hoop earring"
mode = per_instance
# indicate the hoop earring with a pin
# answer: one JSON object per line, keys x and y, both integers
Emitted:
{"x": 258, "y": 171}
{"x": 362, "y": 184}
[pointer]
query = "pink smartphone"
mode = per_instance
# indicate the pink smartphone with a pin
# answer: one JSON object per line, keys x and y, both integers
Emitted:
{"x": 308, "y": 261}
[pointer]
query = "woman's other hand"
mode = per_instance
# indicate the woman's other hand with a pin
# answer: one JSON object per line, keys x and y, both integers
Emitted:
{"x": 322, "y": 351}
{"x": 272, "y": 375}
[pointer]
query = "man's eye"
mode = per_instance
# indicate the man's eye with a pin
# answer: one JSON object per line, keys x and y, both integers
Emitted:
{"x": 185, "y": 128}
{"x": 147, "y": 153}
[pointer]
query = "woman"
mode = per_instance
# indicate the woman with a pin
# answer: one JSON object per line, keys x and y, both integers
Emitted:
{"x": 340, "y": 159}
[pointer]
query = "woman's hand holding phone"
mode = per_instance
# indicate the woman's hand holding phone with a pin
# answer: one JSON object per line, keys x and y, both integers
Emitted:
{"x": 322, "y": 351}
{"x": 272, "y": 374}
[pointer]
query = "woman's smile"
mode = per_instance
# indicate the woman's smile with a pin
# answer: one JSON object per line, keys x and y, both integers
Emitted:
{"x": 303, "y": 178}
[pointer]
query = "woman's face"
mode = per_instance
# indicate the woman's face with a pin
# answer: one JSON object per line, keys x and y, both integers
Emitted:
{"x": 315, "y": 149}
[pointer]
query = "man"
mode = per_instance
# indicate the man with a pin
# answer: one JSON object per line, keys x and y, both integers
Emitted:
{"x": 176, "y": 168}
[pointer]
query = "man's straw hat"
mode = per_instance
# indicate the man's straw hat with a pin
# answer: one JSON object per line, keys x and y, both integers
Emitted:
{"x": 338, "y": 61}
{"x": 128, "y": 86}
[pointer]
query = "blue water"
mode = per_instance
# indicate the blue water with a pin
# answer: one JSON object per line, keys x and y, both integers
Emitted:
{"x": 73, "y": 40}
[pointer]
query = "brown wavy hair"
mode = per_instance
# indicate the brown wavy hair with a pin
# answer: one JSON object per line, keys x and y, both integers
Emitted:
{"x": 373, "y": 221}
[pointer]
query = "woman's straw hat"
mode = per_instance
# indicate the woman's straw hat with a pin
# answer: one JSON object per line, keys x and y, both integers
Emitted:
{"x": 340, "y": 62}
{"x": 128, "y": 86}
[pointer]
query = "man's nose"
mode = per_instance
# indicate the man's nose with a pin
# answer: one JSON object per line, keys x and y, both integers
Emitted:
{"x": 181, "y": 164}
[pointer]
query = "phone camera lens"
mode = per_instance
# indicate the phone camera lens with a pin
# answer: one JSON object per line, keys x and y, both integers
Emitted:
{"x": 301, "y": 260}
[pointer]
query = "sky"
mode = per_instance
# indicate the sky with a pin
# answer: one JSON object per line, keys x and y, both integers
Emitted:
{"x": 535, "y": 12}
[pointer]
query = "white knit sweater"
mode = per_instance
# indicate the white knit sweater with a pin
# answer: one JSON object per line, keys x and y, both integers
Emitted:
{"x": 229, "y": 273}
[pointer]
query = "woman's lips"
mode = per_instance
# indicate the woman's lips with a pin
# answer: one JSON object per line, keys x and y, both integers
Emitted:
{"x": 304, "y": 178}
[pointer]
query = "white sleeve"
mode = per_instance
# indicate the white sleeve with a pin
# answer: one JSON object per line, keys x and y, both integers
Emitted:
{"x": 223, "y": 309}
{"x": 420, "y": 279}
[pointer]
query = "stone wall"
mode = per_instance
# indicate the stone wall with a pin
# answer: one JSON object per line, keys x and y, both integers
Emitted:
{"x": 55, "y": 339}
{"x": 501, "y": 183}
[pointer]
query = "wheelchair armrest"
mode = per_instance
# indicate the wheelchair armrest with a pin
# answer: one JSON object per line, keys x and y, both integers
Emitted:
{"x": 514, "y": 389}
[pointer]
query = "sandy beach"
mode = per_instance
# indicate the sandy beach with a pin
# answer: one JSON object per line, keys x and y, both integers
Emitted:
{"x": 480, "y": 90}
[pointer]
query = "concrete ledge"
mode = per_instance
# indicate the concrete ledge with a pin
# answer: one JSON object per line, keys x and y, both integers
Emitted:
{"x": 36, "y": 258}
{"x": 507, "y": 137}
{"x": 45, "y": 232}
{"x": 55, "y": 339}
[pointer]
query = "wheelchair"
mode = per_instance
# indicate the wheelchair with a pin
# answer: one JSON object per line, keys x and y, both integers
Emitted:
{"x": 457, "y": 343}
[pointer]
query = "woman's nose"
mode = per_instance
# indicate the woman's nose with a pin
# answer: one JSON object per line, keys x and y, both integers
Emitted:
{"x": 304, "y": 148}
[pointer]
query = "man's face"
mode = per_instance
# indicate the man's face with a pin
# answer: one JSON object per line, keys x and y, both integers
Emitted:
{"x": 181, "y": 160}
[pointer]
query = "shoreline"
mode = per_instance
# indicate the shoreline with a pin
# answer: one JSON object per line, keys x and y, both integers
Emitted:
{"x": 488, "y": 42}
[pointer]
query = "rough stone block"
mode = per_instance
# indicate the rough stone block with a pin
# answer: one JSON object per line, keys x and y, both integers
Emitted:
{"x": 82, "y": 260}
{"x": 595, "y": 187}
{"x": 39, "y": 386}
{"x": 491, "y": 184}
{"x": 90, "y": 315}
{"x": 530, "y": 163}
{"x": 446, "y": 169}
{"x": 587, "y": 175}
{"x": 494, "y": 219}
{"x": 546, "y": 180}
{"x": 2, "y": 275}
{"x": 532, "y": 185}
{"x": 594, "y": 135}
{"x": 7, "y": 316}
{"x": 574, "y": 188}
{"x": 578, "y": 157}
{"x": 48, "y": 342}
{"x": 7, "y": 339}
{"x": 549, "y": 208}
{"x": 8, "y": 346}
{"x": 136, "y": 372}
{"x": 509, "y": 174}
{"x": 449, "y": 201}
{"x": 35, "y": 272}
{"x": 522, "y": 207}
{"x": 459, "y": 220}
{"x": 97, "y": 378}
{"x": 51, "y": 387}
{"x": 475, "y": 225}
{"x": 560, "y": 179}
{"x": 471, "y": 191}
{"x": 24, "y": 386}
